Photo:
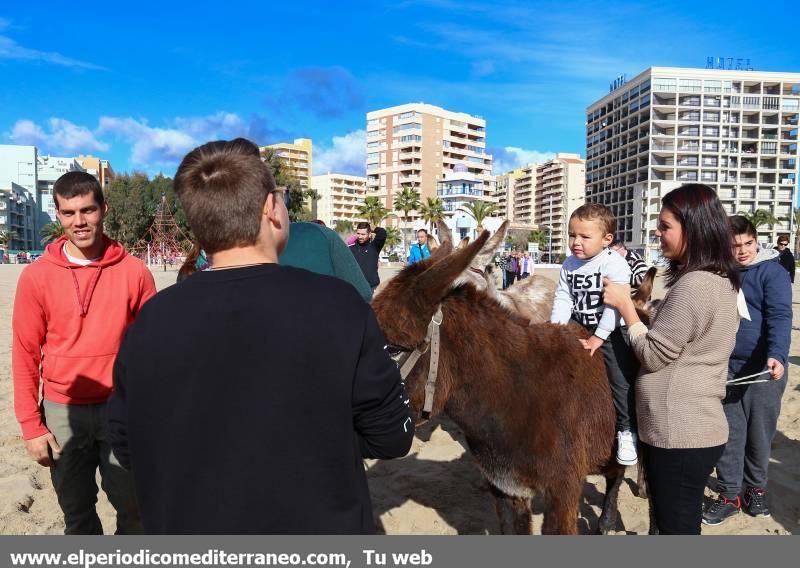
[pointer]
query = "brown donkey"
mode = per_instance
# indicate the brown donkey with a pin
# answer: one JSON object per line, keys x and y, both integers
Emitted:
{"x": 535, "y": 409}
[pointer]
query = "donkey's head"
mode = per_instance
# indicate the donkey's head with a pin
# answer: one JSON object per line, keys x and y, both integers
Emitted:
{"x": 407, "y": 304}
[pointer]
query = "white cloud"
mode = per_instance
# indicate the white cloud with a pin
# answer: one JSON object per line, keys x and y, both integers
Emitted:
{"x": 150, "y": 146}
{"x": 345, "y": 155}
{"x": 61, "y": 136}
{"x": 166, "y": 146}
{"x": 511, "y": 157}
{"x": 10, "y": 49}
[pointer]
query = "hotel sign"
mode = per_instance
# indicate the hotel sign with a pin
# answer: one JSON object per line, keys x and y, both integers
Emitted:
{"x": 617, "y": 83}
{"x": 733, "y": 63}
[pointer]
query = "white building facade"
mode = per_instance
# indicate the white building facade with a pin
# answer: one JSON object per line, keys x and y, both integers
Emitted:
{"x": 735, "y": 131}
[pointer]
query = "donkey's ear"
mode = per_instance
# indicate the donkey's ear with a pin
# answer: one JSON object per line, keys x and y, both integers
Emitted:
{"x": 485, "y": 256}
{"x": 434, "y": 283}
{"x": 464, "y": 243}
{"x": 445, "y": 235}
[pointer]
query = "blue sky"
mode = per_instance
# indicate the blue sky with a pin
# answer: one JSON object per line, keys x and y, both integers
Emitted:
{"x": 143, "y": 83}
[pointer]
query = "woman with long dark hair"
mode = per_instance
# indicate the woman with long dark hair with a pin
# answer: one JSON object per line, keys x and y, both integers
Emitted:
{"x": 684, "y": 355}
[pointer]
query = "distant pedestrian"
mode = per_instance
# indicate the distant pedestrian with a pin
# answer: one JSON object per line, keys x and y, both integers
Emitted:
{"x": 635, "y": 262}
{"x": 367, "y": 249}
{"x": 525, "y": 265}
{"x": 786, "y": 256}
{"x": 511, "y": 268}
{"x": 419, "y": 250}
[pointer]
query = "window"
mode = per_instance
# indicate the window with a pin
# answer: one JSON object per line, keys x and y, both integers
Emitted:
{"x": 690, "y": 85}
{"x": 410, "y": 114}
{"x": 711, "y": 86}
{"x": 373, "y": 144}
{"x": 665, "y": 84}
{"x": 409, "y": 126}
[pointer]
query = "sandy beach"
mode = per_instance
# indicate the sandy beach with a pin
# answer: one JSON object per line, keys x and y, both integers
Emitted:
{"x": 436, "y": 489}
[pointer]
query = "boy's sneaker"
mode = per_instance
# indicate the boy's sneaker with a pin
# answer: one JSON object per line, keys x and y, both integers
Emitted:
{"x": 626, "y": 448}
{"x": 721, "y": 510}
{"x": 755, "y": 502}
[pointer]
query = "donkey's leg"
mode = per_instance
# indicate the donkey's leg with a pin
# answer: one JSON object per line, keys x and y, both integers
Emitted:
{"x": 514, "y": 513}
{"x": 561, "y": 509}
{"x": 608, "y": 517}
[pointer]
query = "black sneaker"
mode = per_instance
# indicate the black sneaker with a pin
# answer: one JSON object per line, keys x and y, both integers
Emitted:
{"x": 720, "y": 511}
{"x": 755, "y": 502}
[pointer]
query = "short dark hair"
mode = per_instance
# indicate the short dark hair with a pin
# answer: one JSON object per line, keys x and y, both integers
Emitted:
{"x": 222, "y": 186}
{"x": 363, "y": 225}
{"x": 742, "y": 226}
{"x": 596, "y": 212}
{"x": 422, "y": 231}
{"x": 73, "y": 184}
{"x": 707, "y": 233}
{"x": 783, "y": 239}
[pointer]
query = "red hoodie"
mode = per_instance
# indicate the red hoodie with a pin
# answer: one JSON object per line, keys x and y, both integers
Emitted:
{"x": 71, "y": 319}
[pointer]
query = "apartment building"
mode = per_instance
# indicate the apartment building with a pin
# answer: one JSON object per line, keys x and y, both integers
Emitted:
{"x": 417, "y": 145}
{"x": 560, "y": 187}
{"x": 49, "y": 169}
{"x": 736, "y": 131}
{"x": 340, "y": 197}
{"x": 297, "y": 156}
{"x": 504, "y": 192}
{"x": 524, "y": 203}
{"x": 17, "y": 211}
{"x": 99, "y": 168}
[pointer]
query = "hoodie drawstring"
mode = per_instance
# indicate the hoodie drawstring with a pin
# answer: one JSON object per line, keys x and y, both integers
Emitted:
{"x": 83, "y": 304}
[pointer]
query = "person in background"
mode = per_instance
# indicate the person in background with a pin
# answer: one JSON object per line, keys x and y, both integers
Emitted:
{"x": 419, "y": 250}
{"x": 367, "y": 249}
{"x": 635, "y": 262}
{"x": 525, "y": 265}
{"x": 762, "y": 344}
{"x": 319, "y": 249}
{"x": 511, "y": 268}
{"x": 786, "y": 256}
{"x": 684, "y": 355}
{"x": 196, "y": 261}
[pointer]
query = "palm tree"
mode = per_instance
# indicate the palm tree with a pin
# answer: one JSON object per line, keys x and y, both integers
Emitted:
{"x": 479, "y": 210}
{"x": 406, "y": 201}
{"x": 51, "y": 232}
{"x": 432, "y": 211}
{"x": 538, "y": 236}
{"x": 372, "y": 210}
{"x": 6, "y": 237}
{"x": 314, "y": 196}
{"x": 393, "y": 237}
{"x": 760, "y": 217}
{"x": 343, "y": 226}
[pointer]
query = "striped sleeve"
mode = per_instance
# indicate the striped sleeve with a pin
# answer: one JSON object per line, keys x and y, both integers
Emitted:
{"x": 638, "y": 268}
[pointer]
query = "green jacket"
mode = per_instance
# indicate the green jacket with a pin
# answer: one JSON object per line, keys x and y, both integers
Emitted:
{"x": 321, "y": 250}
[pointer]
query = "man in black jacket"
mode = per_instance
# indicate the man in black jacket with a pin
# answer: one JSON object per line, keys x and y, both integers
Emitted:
{"x": 367, "y": 250}
{"x": 786, "y": 257}
{"x": 238, "y": 404}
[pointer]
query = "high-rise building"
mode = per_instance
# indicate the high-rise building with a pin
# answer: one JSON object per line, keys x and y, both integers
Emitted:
{"x": 504, "y": 192}
{"x": 18, "y": 165}
{"x": 99, "y": 168}
{"x": 524, "y": 189}
{"x": 17, "y": 210}
{"x": 560, "y": 187}
{"x": 340, "y": 195}
{"x": 735, "y": 131}
{"x": 417, "y": 145}
{"x": 49, "y": 169}
{"x": 297, "y": 156}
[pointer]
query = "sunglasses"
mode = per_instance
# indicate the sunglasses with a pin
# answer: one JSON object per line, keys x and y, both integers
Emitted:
{"x": 287, "y": 196}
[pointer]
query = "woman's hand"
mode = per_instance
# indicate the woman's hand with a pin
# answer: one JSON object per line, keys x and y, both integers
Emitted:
{"x": 616, "y": 295}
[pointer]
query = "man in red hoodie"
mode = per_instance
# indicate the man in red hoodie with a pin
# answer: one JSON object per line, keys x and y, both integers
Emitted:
{"x": 71, "y": 311}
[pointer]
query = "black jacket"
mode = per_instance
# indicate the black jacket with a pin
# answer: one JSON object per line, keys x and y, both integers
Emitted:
{"x": 245, "y": 399}
{"x": 787, "y": 261}
{"x": 367, "y": 256}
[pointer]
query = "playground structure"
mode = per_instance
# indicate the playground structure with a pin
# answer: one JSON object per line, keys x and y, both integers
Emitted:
{"x": 164, "y": 243}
